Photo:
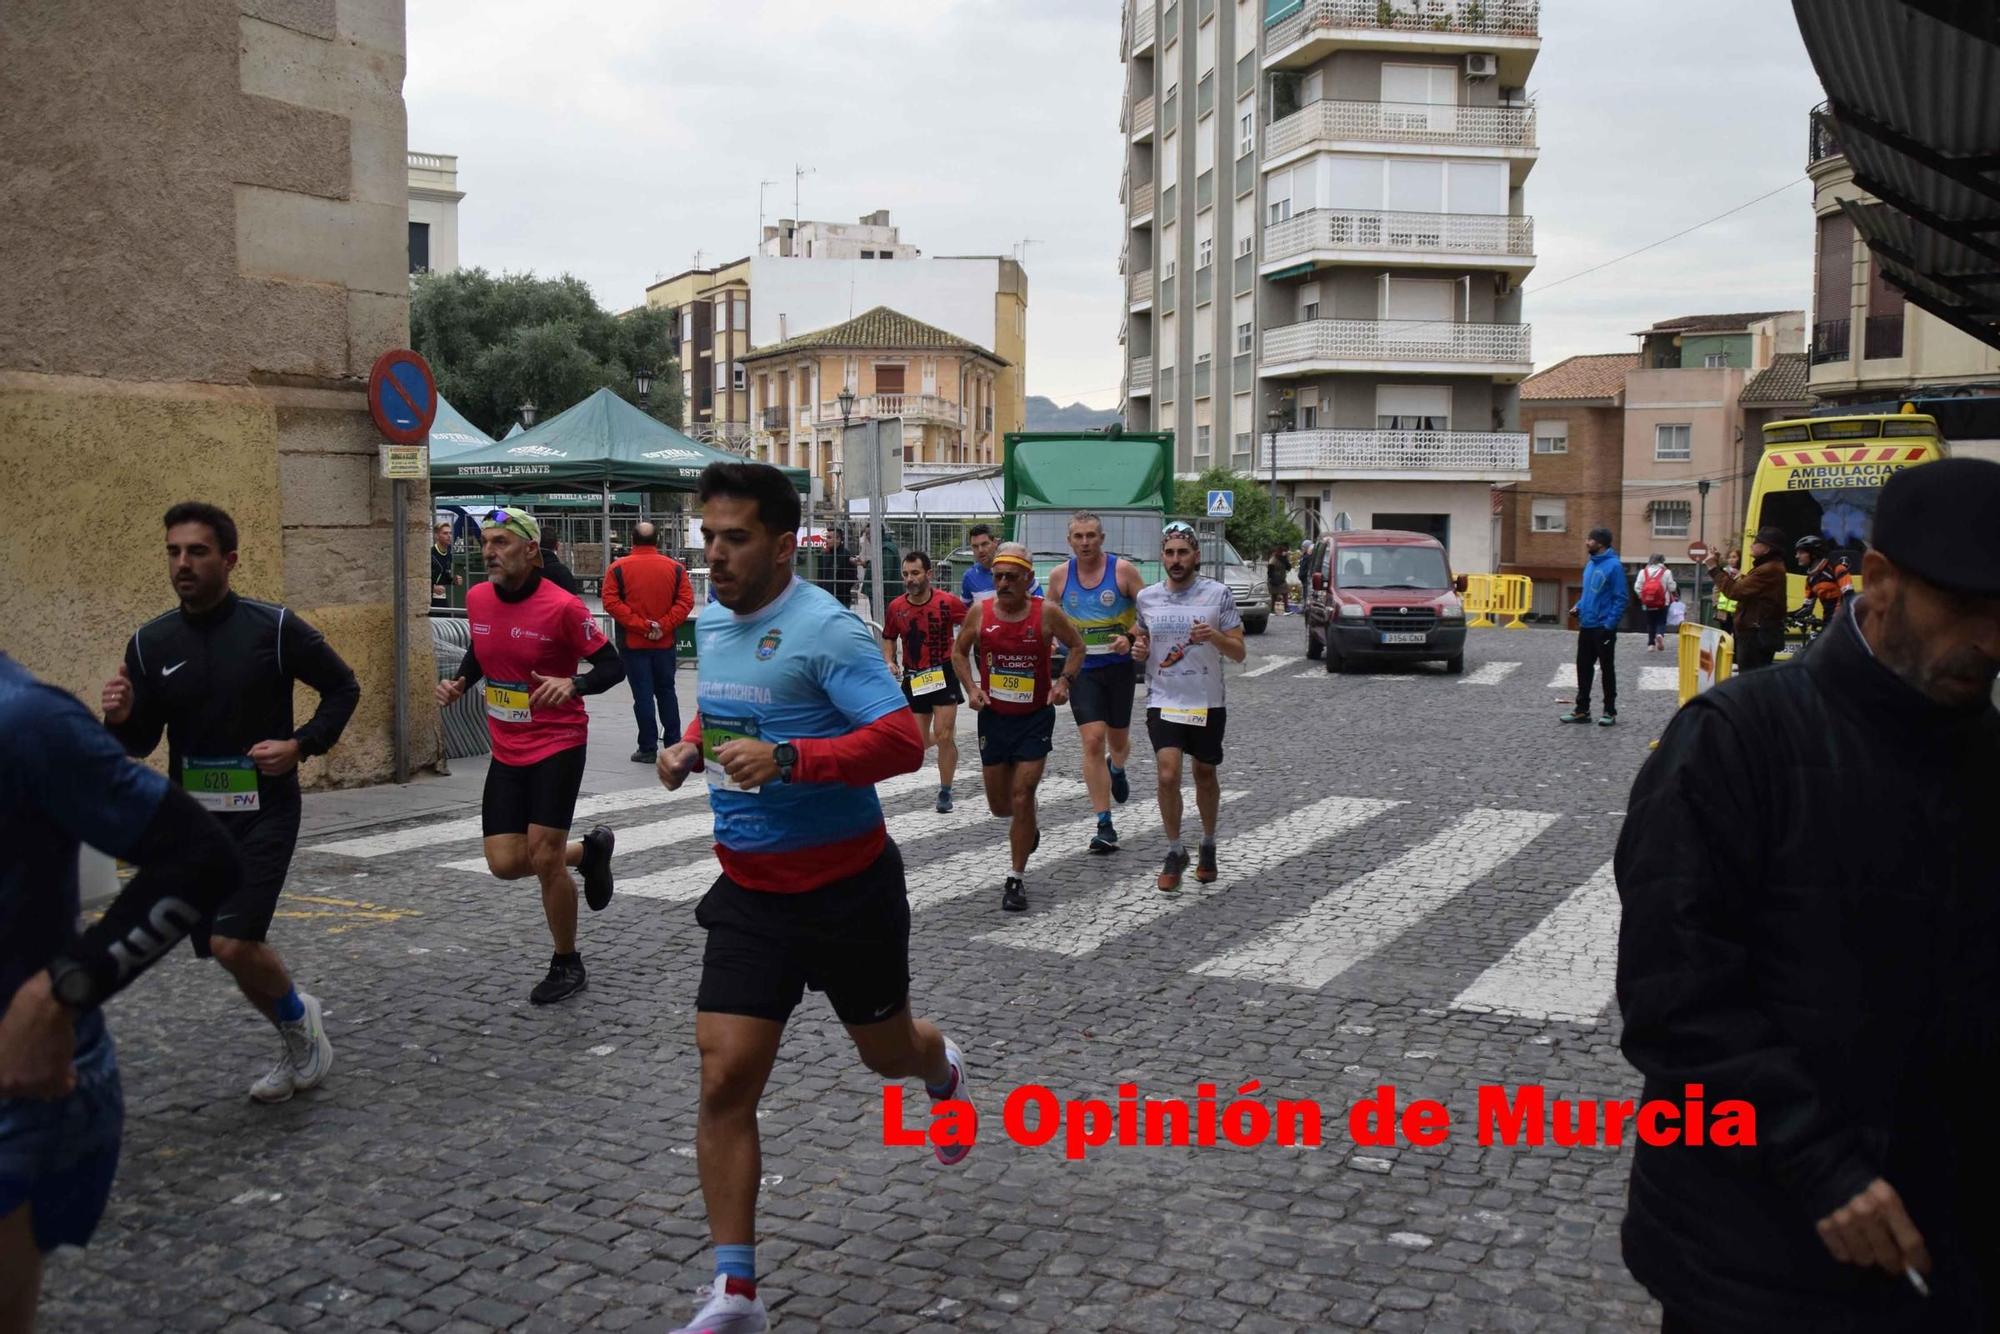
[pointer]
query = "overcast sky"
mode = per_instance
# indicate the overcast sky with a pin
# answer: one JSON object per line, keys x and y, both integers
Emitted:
{"x": 616, "y": 140}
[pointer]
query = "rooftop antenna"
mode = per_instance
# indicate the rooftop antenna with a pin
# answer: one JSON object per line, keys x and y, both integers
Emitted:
{"x": 1021, "y": 249}
{"x": 697, "y": 258}
{"x": 799, "y": 173}
{"x": 761, "y": 187}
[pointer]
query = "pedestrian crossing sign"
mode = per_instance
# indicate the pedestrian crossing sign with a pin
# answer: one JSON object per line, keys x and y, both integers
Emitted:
{"x": 1221, "y": 504}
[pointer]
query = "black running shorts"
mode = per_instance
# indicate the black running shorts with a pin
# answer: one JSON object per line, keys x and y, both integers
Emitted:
{"x": 1104, "y": 694}
{"x": 1016, "y": 738}
{"x": 951, "y": 694}
{"x": 543, "y": 793}
{"x": 1200, "y": 743}
{"x": 849, "y": 939}
{"x": 266, "y": 840}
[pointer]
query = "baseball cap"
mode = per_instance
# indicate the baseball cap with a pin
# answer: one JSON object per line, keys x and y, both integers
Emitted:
{"x": 516, "y": 521}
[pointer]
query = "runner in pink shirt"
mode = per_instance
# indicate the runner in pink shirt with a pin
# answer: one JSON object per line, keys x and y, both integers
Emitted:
{"x": 527, "y": 638}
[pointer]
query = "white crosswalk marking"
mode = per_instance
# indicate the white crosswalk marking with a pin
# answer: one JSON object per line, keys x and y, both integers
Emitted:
{"x": 1659, "y": 678}
{"x": 1565, "y": 968}
{"x": 1080, "y": 926}
{"x": 981, "y": 869}
{"x": 691, "y": 879}
{"x": 1269, "y": 667}
{"x": 1490, "y": 674}
{"x": 459, "y": 831}
{"x": 1308, "y": 674}
{"x": 1311, "y": 948}
{"x": 1565, "y": 676}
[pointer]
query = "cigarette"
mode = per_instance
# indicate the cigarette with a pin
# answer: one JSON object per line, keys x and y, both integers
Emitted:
{"x": 1916, "y": 1281}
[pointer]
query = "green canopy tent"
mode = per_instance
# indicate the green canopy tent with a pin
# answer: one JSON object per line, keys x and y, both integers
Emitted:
{"x": 452, "y": 434}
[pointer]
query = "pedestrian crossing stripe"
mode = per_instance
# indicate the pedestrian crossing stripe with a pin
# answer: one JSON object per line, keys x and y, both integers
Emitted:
{"x": 1650, "y": 678}
{"x": 1489, "y": 674}
{"x": 1269, "y": 667}
{"x": 1565, "y": 968}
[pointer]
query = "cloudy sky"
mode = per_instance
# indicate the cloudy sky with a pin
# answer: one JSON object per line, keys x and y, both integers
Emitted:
{"x": 617, "y": 140}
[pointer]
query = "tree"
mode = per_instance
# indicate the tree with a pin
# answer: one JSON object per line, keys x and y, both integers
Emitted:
{"x": 496, "y": 343}
{"x": 1256, "y": 526}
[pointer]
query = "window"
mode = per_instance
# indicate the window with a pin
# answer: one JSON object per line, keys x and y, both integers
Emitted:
{"x": 739, "y": 313}
{"x": 1309, "y": 301}
{"x": 1552, "y": 437}
{"x": 1204, "y": 437}
{"x": 1414, "y": 407}
{"x": 1243, "y": 444}
{"x": 1204, "y": 254}
{"x": 1246, "y": 132}
{"x": 1549, "y": 516}
{"x": 1278, "y": 197}
{"x": 1243, "y": 245}
{"x": 1715, "y": 360}
{"x": 1204, "y": 46}
{"x": 1671, "y": 443}
{"x": 420, "y": 247}
{"x": 1308, "y": 415}
{"x": 889, "y": 379}
{"x": 1671, "y": 518}
{"x": 687, "y": 324}
{"x": 736, "y": 377}
{"x": 867, "y": 254}
{"x": 1242, "y": 338}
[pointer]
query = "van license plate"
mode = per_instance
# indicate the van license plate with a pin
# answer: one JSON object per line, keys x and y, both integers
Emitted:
{"x": 1404, "y": 636}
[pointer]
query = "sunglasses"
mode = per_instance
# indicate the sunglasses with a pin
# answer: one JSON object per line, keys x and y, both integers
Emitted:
{"x": 1177, "y": 527}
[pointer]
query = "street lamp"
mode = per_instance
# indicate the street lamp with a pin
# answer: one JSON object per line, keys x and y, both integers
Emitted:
{"x": 642, "y": 380}
{"x": 528, "y": 411}
{"x": 1273, "y": 419}
{"x": 1701, "y": 532}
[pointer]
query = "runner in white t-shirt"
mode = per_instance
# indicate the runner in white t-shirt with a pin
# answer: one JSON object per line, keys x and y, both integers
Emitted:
{"x": 1187, "y": 625}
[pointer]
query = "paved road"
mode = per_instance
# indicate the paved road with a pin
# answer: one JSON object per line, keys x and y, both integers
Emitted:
{"x": 1414, "y": 893}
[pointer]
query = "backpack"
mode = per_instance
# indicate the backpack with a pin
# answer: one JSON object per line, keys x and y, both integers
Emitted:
{"x": 1653, "y": 592}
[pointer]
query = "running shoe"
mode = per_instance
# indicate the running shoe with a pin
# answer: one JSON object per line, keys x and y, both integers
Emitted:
{"x": 1170, "y": 873}
{"x": 307, "y": 1045}
{"x": 1121, "y": 787}
{"x": 1204, "y": 869}
{"x": 565, "y": 979}
{"x": 951, "y": 1155}
{"x": 944, "y": 801}
{"x": 733, "y": 1307}
{"x": 596, "y": 867}
{"x": 278, "y": 1084}
{"x": 1105, "y": 840}
{"x": 644, "y": 756}
{"x": 1608, "y": 720}
{"x": 1014, "y": 895}
{"x": 1575, "y": 716}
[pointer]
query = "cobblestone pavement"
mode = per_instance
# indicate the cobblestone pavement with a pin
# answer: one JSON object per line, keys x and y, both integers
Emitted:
{"x": 1414, "y": 892}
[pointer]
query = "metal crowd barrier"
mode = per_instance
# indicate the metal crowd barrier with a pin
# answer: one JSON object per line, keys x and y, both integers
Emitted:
{"x": 462, "y": 726}
{"x": 1489, "y": 595}
{"x": 1704, "y": 655}
{"x": 1478, "y": 599}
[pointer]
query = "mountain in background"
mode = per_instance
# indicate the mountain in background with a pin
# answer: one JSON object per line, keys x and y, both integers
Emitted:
{"x": 1044, "y": 415}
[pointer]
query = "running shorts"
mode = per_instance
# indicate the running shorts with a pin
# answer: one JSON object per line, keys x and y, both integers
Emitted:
{"x": 1201, "y": 743}
{"x": 58, "y": 1157}
{"x": 266, "y": 840}
{"x": 951, "y": 694}
{"x": 543, "y": 793}
{"x": 1104, "y": 694}
{"x": 1016, "y": 738}
{"x": 849, "y": 939}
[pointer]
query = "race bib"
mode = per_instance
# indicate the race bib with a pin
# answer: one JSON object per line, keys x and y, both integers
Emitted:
{"x": 717, "y": 733}
{"x": 1185, "y": 717}
{"x": 507, "y": 701}
{"x": 1011, "y": 688}
{"x": 1097, "y": 639}
{"x": 927, "y": 683}
{"x": 225, "y": 784}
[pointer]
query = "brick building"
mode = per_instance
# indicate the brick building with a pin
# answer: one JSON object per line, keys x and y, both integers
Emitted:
{"x": 1574, "y": 414}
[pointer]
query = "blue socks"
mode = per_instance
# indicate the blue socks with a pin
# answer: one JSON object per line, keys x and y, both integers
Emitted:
{"x": 1103, "y": 819}
{"x": 290, "y": 1009}
{"x": 737, "y": 1262}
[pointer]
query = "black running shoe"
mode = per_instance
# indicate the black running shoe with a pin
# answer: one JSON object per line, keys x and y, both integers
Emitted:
{"x": 596, "y": 867}
{"x": 1014, "y": 895}
{"x": 1121, "y": 787}
{"x": 1170, "y": 873}
{"x": 1105, "y": 841}
{"x": 565, "y": 979}
{"x": 1204, "y": 869}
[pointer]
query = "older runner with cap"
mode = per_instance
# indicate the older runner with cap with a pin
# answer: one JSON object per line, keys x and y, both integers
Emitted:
{"x": 527, "y": 637}
{"x": 1845, "y": 986}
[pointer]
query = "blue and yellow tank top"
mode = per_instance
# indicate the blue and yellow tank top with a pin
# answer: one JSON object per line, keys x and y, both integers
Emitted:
{"x": 1100, "y": 612}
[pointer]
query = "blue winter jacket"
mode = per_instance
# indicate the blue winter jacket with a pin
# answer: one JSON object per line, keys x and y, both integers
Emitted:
{"x": 1602, "y": 605}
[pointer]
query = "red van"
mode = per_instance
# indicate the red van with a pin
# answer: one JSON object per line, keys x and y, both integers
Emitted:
{"x": 1379, "y": 594}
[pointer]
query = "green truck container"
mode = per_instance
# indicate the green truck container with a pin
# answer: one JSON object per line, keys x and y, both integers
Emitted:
{"x": 1127, "y": 480}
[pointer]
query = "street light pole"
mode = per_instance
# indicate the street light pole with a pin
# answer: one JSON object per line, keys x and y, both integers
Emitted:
{"x": 1273, "y": 419}
{"x": 845, "y": 398}
{"x": 1702, "y": 531}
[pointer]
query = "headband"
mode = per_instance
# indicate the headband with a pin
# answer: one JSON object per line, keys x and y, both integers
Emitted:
{"x": 1021, "y": 562}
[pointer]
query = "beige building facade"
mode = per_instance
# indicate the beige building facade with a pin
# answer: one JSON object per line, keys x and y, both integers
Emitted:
{"x": 434, "y": 200}
{"x": 711, "y": 310}
{"x": 201, "y": 271}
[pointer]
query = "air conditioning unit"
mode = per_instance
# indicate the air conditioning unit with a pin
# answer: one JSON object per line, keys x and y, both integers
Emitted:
{"x": 1481, "y": 65}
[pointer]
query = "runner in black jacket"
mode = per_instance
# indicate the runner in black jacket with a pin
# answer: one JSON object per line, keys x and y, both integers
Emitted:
{"x": 216, "y": 676}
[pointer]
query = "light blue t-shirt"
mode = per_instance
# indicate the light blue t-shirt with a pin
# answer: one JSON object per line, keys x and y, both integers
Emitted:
{"x": 802, "y": 666}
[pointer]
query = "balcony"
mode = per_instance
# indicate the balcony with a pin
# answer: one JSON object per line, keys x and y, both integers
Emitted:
{"x": 776, "y": 418}
{"x": 1141, "y": 127}
{"x": 1356, "y": 236}
{"x": 1510, "y": 29}
{"x": 1401, "y": 345}
{"x": 1503, "y": 132}
{"x": 910, "y": 407}
{"x": 1142, "y": 26}
{"x": 1142, "y": 289}
{"x": 1140, "y": 379}
{"x": 1832, "y": 340}
{"x": 1142, "y": 203}
{"x": 1438, "y": 456}
{"x": 1821, "y": 140}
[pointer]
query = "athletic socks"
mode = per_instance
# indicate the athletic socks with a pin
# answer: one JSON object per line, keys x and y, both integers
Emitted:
{"x": 1176, "y": 848}
{"x": 573, "y": 956}
{"x": 737, "y": 1262}
{"x": 289, "y": 1009}
{"x": 1103, "y": 819}
{"x": 1207, "y": 841}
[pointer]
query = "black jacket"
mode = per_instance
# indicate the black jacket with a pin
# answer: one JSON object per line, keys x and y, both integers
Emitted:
{"x": 441, "y": 575}
{"x": 560, "y": 574}
{"x": 1843, "y": 977}
{"x": 219, "y": 682}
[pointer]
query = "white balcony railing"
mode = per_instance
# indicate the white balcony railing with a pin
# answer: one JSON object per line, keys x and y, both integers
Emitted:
{"x": 1397, "y": 340}
{"x": 923, "y": 407}
{"x": 1330, "y": 121}
{"x": 1472, "y": 452}
{"x": 1499, "y": 18}
{"x": 1141, "y": 379}
{"x": 1361, "y": 229}
{"x": 1142, "y": 115}
{"x": 1142, "y": 286}
{"x": 1142, "y": 25}
{"x": 1142, "y": 199}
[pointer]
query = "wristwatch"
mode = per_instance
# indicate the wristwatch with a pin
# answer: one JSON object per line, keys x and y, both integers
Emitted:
{"x": 787, "y": 755}
{"x": 72, "y": 984}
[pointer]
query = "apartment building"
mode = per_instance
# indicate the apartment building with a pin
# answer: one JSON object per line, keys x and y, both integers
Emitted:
{"x": 873, "y": 237}
{"x": 712, "y": 310}
{"x": 1326, "y": 236}
{"x": 1574, "y": 415}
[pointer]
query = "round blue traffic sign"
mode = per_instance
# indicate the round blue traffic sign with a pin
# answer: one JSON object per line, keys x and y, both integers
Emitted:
{"x": 402, "y": 397}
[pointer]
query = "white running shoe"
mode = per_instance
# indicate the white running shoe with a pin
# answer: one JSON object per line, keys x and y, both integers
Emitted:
{"x": 729, "y": 1310}
{"x": 279, "y": 1083}
{"x": 307, "y": 1044}
{"x": 951, "y": 1155}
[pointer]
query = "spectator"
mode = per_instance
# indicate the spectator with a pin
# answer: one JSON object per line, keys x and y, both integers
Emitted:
{"x": 649, "y": 595}
{"x": 1844, "y": 980}
{"x": 555, "y": 571}
{"x": 1759, "y": 595}
{"x": 1598, "y": 611}
{"x": 840, "y": 569}
{"x": 1656, "y": 588}
{"x": 1277, "y": 572}
{"x": 442, "y": 578}
{"x": 1725, "y": 607}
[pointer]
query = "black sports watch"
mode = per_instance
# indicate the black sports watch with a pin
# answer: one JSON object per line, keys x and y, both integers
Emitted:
{"x": 72, "y": 984}
{"x": 787, "y": 755}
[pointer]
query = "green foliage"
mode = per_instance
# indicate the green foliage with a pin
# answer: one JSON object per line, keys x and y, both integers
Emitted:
{"x": 495, "y": 343}
{"x": 1257, "y": 526}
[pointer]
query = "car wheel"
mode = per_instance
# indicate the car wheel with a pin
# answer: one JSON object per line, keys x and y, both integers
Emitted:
{"x": 1256, "y": 625}
{"x": 1335, "y": 664}
{"x": 1313, "y": 648}
{"x": 1455, "y": 665}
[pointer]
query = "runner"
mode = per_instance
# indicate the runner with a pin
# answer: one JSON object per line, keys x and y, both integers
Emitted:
{"x": 922, "y": 621}
{"x": 64, "y": 781}
{"x": 216, "y": 676}
{"x": 1187, "y": 626}
{"x": 798, "y": 721}
{"x": 1096, "y": 591}
{"x": 976, "y": 585}
{"x": 527, "y": 636}
{"x": 1014, "y": 637}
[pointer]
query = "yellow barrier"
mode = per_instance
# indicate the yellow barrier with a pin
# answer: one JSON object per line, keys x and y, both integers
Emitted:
{"x": 1701, "y": 666}
{"x": 1478, "y": 599}
{"x": 1513, "y": 595}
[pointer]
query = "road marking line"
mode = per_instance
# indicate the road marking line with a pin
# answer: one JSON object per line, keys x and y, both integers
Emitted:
{"x": 1081, "y": 926}
{"x": 1566, "y": 968}
{"x": 1490, "y": 674}
{"x": 461, "y": 830}
{"x": 1308, "y": 674}
{"x": 691, "y": 879}
{"x": 1659, "y": 678}
{"x": 1311, "y": 948}
{"x": 1565, "y": 676}
{"x": 1271, "y": 666}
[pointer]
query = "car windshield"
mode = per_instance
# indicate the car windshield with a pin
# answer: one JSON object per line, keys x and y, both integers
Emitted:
{"x": 1391, "y": 567}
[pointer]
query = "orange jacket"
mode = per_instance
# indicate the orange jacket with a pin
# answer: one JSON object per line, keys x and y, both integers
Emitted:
{"x": 648, "y": 585}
